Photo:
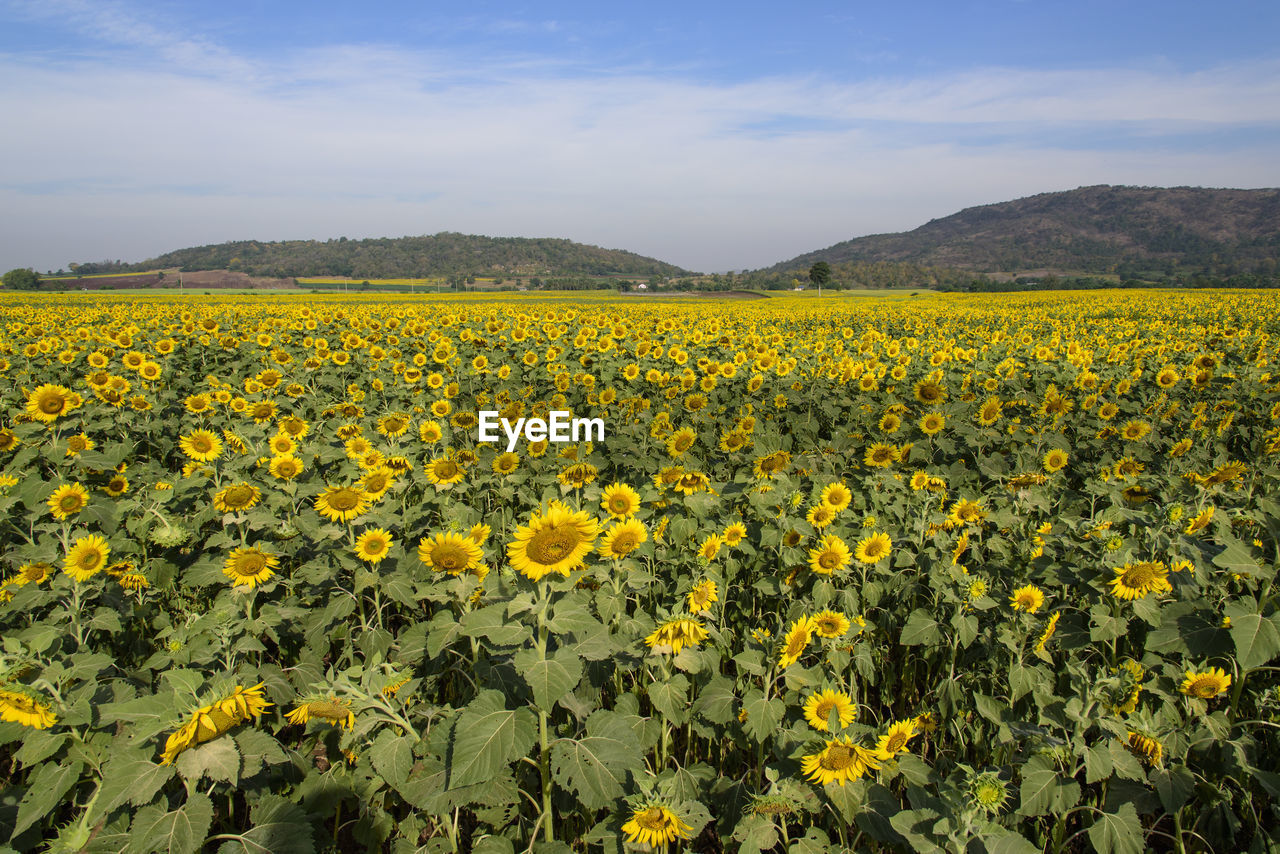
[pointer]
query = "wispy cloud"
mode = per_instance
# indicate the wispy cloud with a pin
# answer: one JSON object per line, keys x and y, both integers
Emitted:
{"x": 200, "y": 143}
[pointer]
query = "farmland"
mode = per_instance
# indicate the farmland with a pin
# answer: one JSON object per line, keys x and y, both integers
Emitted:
{"x": 908, "y": 573}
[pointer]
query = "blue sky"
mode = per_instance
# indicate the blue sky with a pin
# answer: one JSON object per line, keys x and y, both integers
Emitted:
{"x": 711, "y": 135}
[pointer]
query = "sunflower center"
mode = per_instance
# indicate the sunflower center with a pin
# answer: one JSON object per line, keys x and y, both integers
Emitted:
{"x": 374, "y": 546}
{"x": 823, "y": 709}
{"x": 202, "y": 444}
{"x": 837, "y": 757}
{"x": 90, "y": 560}
{"x": 620, "y": 504}
{"x": 344, "y": 499}
{"x": 652, "y": 819}
{"x": 238, "y": 496}
{"x": 249, "y": 565}
{"x": 35, "y": 573}
{"x": 449, "y": 558}
{"x": 1140, "y": 575}
{"x": 376, "y": 482}
{"x": 624, "y": 543}
{"x": 446, "y": 469}
{"x": 551, "y": 545}
{"x": 796, "y": 644}
{"x": 52, "y": 404}
{"x": 828, "y": 560}
{"x": 69, "y": 502}
{"x": 896, "y": 742}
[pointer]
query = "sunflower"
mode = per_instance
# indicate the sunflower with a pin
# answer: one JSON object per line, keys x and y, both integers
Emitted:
{"x": 506, "y": 462}
{"x": 1205, "y": 685}
{"x": 874, "y": 548}
{"x": 1049, "y": 629}
{"x": 78, "y": 444}
{"x": 821, "y": 515}
{"x": 829, "y": 624}
{"x": 201, "y": 446}
{"x": 444, "y": 472}
{"x": 895, "y": 740}
{"x": 377, "y": 481}
{"x": 881, "y": 455}
{"x": 394, "y": 425}
{"x": 1136, "y": 580}
{"x": 36, "y": 572}
{"x": 556, "y": 540}
{"x": 795, "y": 642}
{"x": 830, "y": 555}
{"x": 819, "y": 706}
{"x": 23, "y": 708}
{"x": 1055, "y": 460}
{"x": 711, "y": 546}
{"x": 372, "y": 546}
{"x": 1200, "y": 521}
{"x": 449, "y": 553}
{"x": 68, "y": 500}
{"x": 989, "y": 412}
{"x": 932, "y": 423}
{"x": 237, "y": 497}
{"x": 654, "y": 826}
{"x": 1145, "y": 748}
{"x": 342, "y": 503}
{"x": 479, "y": 533}
{"x": 675, "y": 634}
{"x": 116, "y": 486}
{"x": 619, "y": 500}
{"x": 1029, "y": 598}
{"x": 836, "y": 496}
{"x": 701, "y": 597}
{"x": 839, "y": 761}
{"x": 331, "y": 709}
{"x": 282, "y": 443}
{"x": 249, "y": 566}
{"x": 734, "y": 534}
{"x": 209, "y": 722}
{"x": 86, "y": 557}
{"x": 49, "y": 402}
{"x": 622, "y": 538}
{"x": 285, "y": 467}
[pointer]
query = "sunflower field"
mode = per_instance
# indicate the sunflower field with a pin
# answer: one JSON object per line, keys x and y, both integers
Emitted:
{"x": 936, "y": 574}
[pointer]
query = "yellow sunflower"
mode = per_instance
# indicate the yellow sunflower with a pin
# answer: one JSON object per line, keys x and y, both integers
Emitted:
{"x": 237, "y": 497}
{"x": 655, "y": 826}
{"x": 209, "y": 722}
{"x": 836, "y": 496}
{"x": 49, "y": 402}
{"x": 829, "y": 624}
{"x": 20, "y": 707}
{"x": 795, "y": 642}
{"x": 874, "y": 548}
{"x": 451, "y": 553}
{"x": 342, "y": 503}
{"x": 619, "y": 500}
{"x": 201, "y": 446}
{"x": 556, "y": 540}
{"x": 1029, "y": 598}
{"x": 839, "y": 761}
{"x": 372, "y": 546}
{"x": 821, "y": 515}
{"x": 1055, "y": 460}
{"x": 819, "y": 706}
{"x": 895, "y": 740}
{"x": 1136, "y": 580}
{"x": 68, "y": 500}
{"x": 285, "y": 467}
{"x": 332, "y": 710}
{"x": 675, "y": 634}
{"x": 702, "y": 596}
{"x": 622, "y": 538}
{"x": 831, "y": 555}
{"x": 249, "y": 566}
{"x": 86, "y": 557}
{"x": 444, "y": 472}
{"x": 1146, "y": 748}
{"x": 1205, "y": 685}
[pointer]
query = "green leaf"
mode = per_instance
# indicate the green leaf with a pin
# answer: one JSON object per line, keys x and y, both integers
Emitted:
{"x": 129, "y": 780}
{"x": 1237, "y": 558}
{"x": 45, "y": 794}
{"x": 1257, "y": 638}
{"x": 39, "y": 746}
{"x": 486, "y": 739}
{"x": 257, "y": 750}
{"x": 180, "y": 831}
{"x": 490, "y": 626}
{"x": 218, "y": 760}
{"x": 1174, "y": 786}
{"x": 763, "y": 716}
{"x": 813, "y": 842}
{"x": 493, "y": 845}
{"x": 921, "y": 628}
{"x": 716, "y": 701}
{"x": 1117, "y": 833}
{"x": 392, "y": 757}
{"x": 670, "y": 698}
{"x": 278, "y": 825}
{"x": 1044, "y": 791}
{"x": 550, "y": 678}
{"x": 1097, "y": 763}
{"x": 1009, "y": 843}
{"x": 755, "y": 833}
{"x": 596, "y": 766}
{"x": 444, "y": 629}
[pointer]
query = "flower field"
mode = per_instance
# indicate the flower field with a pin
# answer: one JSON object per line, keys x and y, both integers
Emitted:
{"x": 938, "y": 573}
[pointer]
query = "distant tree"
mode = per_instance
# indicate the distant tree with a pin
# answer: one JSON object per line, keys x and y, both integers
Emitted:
{"x": 24, "y": 279}
{"x": 820, "y": 274}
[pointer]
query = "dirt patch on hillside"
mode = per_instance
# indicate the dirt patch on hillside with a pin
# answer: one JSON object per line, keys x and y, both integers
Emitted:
{"x": 211, "y": 279}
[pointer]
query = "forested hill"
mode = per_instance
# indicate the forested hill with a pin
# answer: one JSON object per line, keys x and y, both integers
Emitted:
{"x": 443, "y": 254}
{"x": 1133, "y": 231}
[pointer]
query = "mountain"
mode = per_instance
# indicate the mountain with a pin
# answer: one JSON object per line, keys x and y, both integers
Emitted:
{"x": 444, "y": 254}
{"x": 1133, "y": 231}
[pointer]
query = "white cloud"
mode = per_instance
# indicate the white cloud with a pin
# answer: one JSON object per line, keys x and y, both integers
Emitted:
{"x": 135, "y": 157}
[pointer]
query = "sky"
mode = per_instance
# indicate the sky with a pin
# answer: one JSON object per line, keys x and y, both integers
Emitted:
{"x": 715, "y": 136}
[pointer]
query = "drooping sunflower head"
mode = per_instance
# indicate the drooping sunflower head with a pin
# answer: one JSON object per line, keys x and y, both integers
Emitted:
{"x": 22, "y": 705}
{"x": 334, "y": 711}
